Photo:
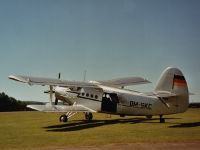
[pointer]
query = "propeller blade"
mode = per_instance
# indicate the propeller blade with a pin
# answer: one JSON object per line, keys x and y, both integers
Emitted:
{"x": 59, "y": 75}
{"x": 56, "y": 101}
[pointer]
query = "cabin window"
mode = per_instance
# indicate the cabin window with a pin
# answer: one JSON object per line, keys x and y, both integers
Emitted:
{"x": 87, "y": 94}
{"x": 91, "y": 95}
{"x": 83, "y": 94}
{"x": 96, "y": 97}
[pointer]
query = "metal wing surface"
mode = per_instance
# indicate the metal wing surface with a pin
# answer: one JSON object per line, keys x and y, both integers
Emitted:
{"x": 50, "y": 81}
{"x": 121, "y": 82}
{"x": 60, "y": 108}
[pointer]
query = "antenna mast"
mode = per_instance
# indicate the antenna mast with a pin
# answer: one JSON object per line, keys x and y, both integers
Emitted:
{"x": 84, "y": 75}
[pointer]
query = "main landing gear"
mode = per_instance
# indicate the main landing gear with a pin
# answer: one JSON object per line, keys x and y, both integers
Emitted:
{"x": 64, "y": 118}
{"x": 162, "y": 120}
{"x": 88, "y": 116}
{"x": 149, "y": 117}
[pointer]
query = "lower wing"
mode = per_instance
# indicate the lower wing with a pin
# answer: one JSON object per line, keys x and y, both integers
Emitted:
{"x": 60, "y": 108}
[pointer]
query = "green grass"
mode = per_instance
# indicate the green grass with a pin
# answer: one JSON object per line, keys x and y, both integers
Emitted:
{"x": 25, "y": 130}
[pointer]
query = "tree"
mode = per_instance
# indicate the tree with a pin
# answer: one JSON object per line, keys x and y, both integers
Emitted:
{"x": 11, "y": 104}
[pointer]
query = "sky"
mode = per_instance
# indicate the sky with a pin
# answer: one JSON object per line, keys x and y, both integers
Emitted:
{"x": 108, "y": 38}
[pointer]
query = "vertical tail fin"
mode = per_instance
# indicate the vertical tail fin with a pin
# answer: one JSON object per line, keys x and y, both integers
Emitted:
{"x": 172, "y": 80}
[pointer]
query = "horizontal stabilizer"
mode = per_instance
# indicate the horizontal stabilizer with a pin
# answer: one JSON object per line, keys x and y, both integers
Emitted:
{"x": 60, "y": 108}
{"x": 191, "y": 94}
{"x": 164, "y": 94}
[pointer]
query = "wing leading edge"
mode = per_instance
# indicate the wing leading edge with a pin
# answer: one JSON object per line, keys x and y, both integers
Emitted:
{"x": 50, "y": 81}
{"x": 60, "y": 108}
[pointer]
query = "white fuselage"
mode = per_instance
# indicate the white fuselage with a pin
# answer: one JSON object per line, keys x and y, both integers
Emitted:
{"x": 117, "y": 101}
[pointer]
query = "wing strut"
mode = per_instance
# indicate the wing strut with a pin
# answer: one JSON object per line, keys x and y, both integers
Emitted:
{"x": 51, "y": 94}
{"x": 163, "y": 101}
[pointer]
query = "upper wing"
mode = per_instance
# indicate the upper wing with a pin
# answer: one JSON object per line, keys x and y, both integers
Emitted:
{"x": 61, "y": 108}
{"x": 121, "y": 82}
{"x": 57, "y": 82}
{"x": 49, "y": 81}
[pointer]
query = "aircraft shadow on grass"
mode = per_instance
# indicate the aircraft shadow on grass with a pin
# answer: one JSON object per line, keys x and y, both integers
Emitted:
{"x": 81, "y": 125}
{"x": 186, "y": 125}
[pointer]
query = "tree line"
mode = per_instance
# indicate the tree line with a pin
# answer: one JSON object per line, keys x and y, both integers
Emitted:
{"x": 11, "y": 104}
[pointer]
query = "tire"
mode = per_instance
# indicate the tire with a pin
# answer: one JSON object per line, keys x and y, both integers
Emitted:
{"x": 88, "y": 116}
{"x": 149, "y": 117}
{"x": 63, "y": 118}
{"x": 162, "y": 120}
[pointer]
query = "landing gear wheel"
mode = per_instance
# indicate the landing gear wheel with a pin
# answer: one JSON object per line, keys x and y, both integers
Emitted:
{"x": 88, "y": 116}
{"x": 149, "y": 117}
{"x": 63, "y": 118}
{"x": 162, "y": 120}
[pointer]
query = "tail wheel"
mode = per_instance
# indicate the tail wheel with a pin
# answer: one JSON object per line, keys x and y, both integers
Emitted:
{"x": 88, "y": 116}
{"x": 63, "y": 118}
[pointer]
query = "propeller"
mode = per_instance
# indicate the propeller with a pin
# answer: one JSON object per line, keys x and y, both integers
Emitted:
{"x": 52, "y": 91}
{"x": 56, "y": 100}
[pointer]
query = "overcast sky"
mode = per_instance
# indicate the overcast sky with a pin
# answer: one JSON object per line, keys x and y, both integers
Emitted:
{"x": 108, "y": 38}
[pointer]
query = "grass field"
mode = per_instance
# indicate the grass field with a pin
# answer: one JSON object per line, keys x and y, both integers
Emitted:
{"x": 25, "y": 130}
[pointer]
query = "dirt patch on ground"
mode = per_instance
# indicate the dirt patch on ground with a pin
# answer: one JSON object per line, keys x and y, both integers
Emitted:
{"x": 139, "y": 146}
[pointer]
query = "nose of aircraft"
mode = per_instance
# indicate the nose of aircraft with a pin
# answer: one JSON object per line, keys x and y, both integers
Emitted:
{"x": 60, "y": 90}
{"x": 66, "y": 92}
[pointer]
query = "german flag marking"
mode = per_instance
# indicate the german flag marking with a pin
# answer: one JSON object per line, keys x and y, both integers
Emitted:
{"x": 179, "y": 81}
